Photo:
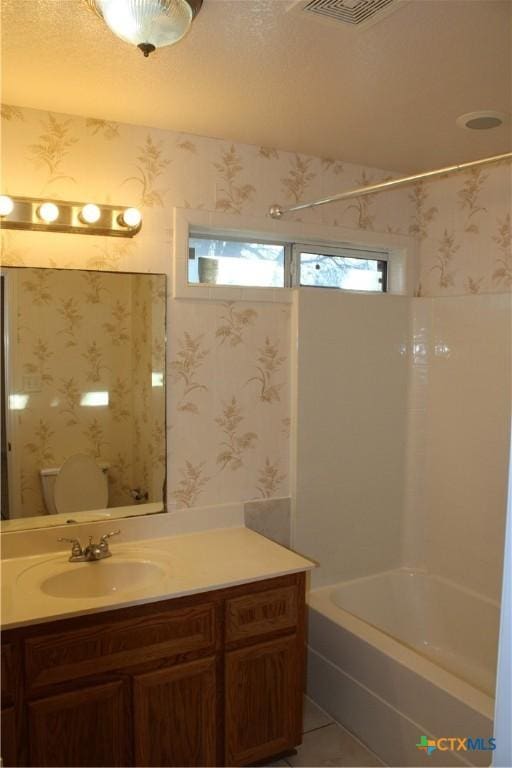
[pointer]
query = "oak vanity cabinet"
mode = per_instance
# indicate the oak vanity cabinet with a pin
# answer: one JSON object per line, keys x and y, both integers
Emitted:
{"x": 212, "y": 679}
{"x": 11, "y": 704}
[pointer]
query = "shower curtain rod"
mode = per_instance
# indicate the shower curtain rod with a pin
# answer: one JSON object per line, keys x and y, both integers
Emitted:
{"x": 276, "y": 211}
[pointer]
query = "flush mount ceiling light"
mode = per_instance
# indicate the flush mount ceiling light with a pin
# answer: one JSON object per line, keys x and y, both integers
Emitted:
{"x": 148, "y": 24}
{"x": 483, "y": 120}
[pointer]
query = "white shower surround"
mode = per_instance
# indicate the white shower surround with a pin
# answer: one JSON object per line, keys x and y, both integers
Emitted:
{"x": 388, "y": 655}
{"x": 458, "y": 438}
{"x": 402, "y": 461}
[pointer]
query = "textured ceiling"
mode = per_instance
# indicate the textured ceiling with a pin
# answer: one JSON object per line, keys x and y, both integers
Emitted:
{"x": 252, "y": 71}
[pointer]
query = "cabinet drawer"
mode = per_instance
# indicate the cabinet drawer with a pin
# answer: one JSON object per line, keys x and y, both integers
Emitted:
{"x": 261, "y": 613}
{"x": 104, "y": 646}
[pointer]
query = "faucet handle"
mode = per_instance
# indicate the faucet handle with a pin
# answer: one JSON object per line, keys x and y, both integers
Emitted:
{"x": 76, "y": 547}
{"x": 109, "y": 535}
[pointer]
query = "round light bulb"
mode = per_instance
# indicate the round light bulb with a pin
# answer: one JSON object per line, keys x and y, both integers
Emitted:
{"x": 6, "y": 205}
{"x": 131, "y": 217}
{"x": 90, "y": 213}
{"x": 48, "y": 212}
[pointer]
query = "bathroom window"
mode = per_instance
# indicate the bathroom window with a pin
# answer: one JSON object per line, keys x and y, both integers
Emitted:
{"x": 350, "y": 269}
{"x": 221, "y": 259}
{"x": 227, "y": 261}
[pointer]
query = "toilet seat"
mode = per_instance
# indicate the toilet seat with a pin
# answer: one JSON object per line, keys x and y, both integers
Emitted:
{"x": 80, "y": 485}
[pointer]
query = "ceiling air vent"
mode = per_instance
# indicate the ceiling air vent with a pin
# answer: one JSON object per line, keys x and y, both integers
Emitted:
{"x": 352, "y": 12}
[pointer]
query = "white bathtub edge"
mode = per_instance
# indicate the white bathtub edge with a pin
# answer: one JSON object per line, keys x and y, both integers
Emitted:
{"x": 373, "y": 725}
{"x": 483, "y": 704}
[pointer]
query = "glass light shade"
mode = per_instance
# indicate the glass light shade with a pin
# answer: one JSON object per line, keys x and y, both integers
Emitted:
{"x": 131, "y": 217}
{"x": 147, "y": 22}
{"x": 6, "y": 205}
{"x": 90, "y": 213}
{"x": 48, "y": 212}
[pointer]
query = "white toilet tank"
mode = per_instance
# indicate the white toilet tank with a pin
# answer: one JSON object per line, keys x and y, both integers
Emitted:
{"x": 79, "y": 484}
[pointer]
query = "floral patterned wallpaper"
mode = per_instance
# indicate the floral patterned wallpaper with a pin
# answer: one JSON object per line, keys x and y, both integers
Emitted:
{"x": 228, "y": 364}
{"x": 75, "y": 339}
{"x": 464, "y": 228}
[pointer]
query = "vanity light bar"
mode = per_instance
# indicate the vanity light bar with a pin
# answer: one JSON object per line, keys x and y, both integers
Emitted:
{"x": 49, "y": 215}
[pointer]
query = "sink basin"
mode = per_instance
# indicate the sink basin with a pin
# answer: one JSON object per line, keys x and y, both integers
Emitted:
{"x": 102, "y": 578}
{"x": 95, "y": 579}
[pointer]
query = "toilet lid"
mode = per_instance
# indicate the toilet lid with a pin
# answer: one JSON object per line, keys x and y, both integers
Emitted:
{"x": 80, "y": 485}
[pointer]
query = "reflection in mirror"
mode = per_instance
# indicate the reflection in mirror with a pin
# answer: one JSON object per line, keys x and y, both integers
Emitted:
{"x": 83, "y": 406}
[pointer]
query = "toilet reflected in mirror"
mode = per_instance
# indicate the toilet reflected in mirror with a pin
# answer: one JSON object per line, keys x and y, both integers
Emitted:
{"x": 80, "y": 485}
{"x": 83, "y": 412}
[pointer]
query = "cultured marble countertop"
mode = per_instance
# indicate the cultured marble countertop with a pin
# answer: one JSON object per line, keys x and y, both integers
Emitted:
{"x": 189, "y": 564}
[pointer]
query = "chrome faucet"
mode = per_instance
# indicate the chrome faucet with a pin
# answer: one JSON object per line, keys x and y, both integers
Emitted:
{"x": 91, "y": 552}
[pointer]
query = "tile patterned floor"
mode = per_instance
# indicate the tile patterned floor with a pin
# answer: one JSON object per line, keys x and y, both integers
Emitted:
{"x": 325, "y": 743}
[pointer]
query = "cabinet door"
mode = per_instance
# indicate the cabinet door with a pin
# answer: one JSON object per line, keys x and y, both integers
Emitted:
{"x": 10, "y": 673}
{"x": 263, "y": 700}
{"x": 9, "y": 743}
{"x": 87, "y": 727}
{"x": 175, "y": 715}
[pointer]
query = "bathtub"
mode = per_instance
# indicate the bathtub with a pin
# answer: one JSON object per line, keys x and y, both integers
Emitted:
{"x": 401, "y": 654}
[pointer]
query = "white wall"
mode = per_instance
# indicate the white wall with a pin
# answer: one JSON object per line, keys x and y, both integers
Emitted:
{"x": 351, "y": 412}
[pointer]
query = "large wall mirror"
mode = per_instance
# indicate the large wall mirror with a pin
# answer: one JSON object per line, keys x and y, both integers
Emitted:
{"x": 83, "y": 405}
